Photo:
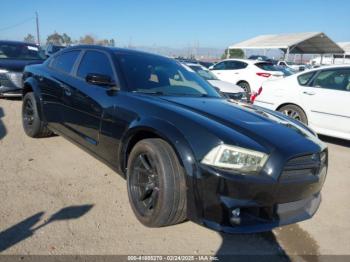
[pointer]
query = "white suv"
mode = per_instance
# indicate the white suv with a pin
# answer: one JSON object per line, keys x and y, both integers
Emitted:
{"x": 248, "y": 74}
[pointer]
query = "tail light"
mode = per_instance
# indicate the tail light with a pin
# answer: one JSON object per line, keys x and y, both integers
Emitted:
{"x": 264, "y": 74}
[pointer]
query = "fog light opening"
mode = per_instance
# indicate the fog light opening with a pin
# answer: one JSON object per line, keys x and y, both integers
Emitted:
{"x": 235, "y": 219}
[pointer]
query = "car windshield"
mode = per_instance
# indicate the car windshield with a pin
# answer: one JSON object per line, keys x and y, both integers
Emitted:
{"x": 204, "y": 73}
{"x": 20, "y": 52}
{"x": 158, "y": 75}
{"x": 285, "y": 71}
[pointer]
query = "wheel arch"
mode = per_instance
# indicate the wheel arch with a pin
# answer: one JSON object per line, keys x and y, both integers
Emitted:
{"x": 294, "y": 104}
{"x": 31, "y": 85}
{"x": 156, "y": 128}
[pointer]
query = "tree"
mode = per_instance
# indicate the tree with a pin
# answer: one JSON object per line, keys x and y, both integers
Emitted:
{"x": 55, "y": 39}
{"x": 29, "y": 39}
{"x": 104, "y": 42}
{"x": 66, "y": 39}
{"x": 112, "y": 42}
{"x": 87, "y": 39}
{"x": 233, "y": 53}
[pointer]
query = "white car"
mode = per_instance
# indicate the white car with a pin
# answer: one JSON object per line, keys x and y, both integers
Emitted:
{"x": 319, "y": 97}
{"x": 231, "y": 90}
{"x": 248, "y": 74}
{"x": 291, "y": 65}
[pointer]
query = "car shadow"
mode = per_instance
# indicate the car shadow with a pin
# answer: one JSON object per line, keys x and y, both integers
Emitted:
{"x": 3, "y": 130}
{"x": 24, "y": 229}
{"x": 288, "y": 243}
{"x": 336, "y": 141}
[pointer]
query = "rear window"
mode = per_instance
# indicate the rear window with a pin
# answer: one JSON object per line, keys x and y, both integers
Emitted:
{"x": 267, "y": 66}
{"x": 305, "y": 78}
{"x": 64, "y": 62}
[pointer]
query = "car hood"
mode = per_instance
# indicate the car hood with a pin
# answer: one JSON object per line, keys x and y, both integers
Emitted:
{"x": 17, "y": 65}
{"x": 268, "y": 128}
{"x": 226, "y": 87}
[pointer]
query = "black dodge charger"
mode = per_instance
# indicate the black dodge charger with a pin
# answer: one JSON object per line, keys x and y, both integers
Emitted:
{"x": 186, "y": 152}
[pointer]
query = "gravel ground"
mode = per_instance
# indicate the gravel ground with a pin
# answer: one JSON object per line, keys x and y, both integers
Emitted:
{"x": 57, "y": 199}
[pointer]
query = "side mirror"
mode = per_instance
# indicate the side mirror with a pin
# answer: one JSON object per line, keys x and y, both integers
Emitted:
{"x": 98, "y": 79}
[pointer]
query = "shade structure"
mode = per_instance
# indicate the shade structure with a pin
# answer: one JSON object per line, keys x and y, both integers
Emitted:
{"x": 345, "y": 46}
{"x": 297, "y": 43}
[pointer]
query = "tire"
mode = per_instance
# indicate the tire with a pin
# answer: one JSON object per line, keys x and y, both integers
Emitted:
{"x": 295, "y": 112}
{"x": 156, "y": 184}
{"x": 246, "y": 87}
{"x": 32, "y": 124}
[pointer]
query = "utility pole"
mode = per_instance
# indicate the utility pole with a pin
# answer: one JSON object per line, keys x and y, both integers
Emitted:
{"x": 37, "y": 28}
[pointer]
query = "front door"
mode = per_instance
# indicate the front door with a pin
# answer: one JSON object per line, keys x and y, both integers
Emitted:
{"x": 327, "y": 99}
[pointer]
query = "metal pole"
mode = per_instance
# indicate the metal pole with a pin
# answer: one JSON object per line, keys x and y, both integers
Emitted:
{"x": 37, "y": 28}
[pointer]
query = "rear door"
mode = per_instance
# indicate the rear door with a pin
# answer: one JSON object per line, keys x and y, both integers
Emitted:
{"x": 231, "y": 70}
{"x": 327, "y": 98}
{"x": 53, "y": 86}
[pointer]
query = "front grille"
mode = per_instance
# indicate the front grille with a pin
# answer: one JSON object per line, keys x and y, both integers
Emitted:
{"x": 11, "y": 79}
{"x": 303, "y": 166}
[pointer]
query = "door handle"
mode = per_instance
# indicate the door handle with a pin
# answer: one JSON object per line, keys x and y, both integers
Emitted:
{"x": 309, "y": 93}
{"x": 67, "y": 90}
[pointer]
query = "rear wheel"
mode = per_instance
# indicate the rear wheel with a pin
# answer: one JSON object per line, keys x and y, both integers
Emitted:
{"x": 294, "y": 112}
{"x": 156, "y": 184}
{"x": 246, "y": 87}
{"x": 32, "y": 124}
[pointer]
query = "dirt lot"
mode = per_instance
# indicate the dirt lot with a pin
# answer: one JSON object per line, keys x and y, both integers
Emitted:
{"x": 57, "y": 199}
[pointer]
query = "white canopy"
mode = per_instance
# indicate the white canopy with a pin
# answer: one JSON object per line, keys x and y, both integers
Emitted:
{"x": 345, "y": 46}
{"x": 298, "y": 43}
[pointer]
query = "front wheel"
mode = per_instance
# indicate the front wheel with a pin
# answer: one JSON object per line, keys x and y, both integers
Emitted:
{"x": 32, "y": 124}
{"x": 156, "y": 184}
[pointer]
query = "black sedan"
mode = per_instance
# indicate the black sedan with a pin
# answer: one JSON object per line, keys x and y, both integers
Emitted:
{"x": 14, "y": 56}
{"x": 186, "y": 152}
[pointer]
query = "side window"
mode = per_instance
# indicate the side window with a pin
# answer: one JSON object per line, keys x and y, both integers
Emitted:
{"x": 305, "y": 78}
{"x": 337, "y": 79}
{"x": 95, "y": 62}
{"x": 234, "y": 65}
{"x": 65, "y": 62}
{"x": 219, "y": 66}
{"x": 241, "y": 65}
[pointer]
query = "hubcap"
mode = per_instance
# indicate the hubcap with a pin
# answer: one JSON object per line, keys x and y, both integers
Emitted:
{"x": 28, "y": 113}
{"x": 292, "y": 114}
{"x": 144, "y": 184}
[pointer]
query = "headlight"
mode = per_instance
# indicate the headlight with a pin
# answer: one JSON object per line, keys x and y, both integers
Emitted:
{"x": 3, "y": 71}
{"x": 236, "y": 158}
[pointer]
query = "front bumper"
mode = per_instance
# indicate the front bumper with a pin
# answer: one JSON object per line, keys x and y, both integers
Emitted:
{"x": 264, "y": 201}
{"x": 11, "y": 84}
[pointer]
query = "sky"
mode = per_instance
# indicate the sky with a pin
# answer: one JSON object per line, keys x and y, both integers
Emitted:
{"x": 176, "y": 23}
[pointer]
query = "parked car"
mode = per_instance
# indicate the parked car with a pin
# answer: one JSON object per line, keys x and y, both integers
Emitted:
{"x": 248, "y": 74}
{"x": 52, "y": 49}
{"x": 291, "y": 65}
{"x": 285, "y": 70}
{"x": 14, "y": 56}
{"x": 185, "y": 151}
{"x": 319, "y": 97}
{"x": 206, "y": 64}
{"x": 230, "y": 90}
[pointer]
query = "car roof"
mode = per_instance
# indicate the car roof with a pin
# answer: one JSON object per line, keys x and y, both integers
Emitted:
{"x": 323, "y": 68}
{"x": 110, "y": 50}
{"x": 16, "y": 43}
{"x": 248, "y": 61}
